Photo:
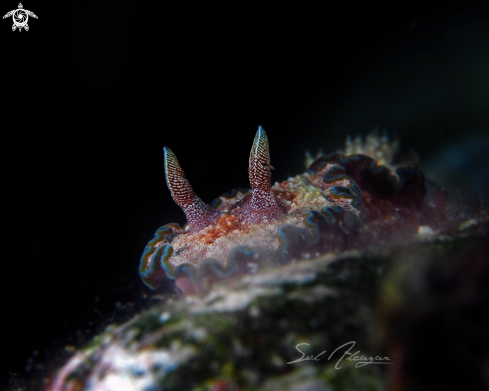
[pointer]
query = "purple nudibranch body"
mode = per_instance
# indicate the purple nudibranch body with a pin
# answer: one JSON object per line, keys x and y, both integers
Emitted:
{"x": 341, "y": 202}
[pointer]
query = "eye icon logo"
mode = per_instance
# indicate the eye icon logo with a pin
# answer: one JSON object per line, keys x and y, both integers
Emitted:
{"x": 20, "y": 16}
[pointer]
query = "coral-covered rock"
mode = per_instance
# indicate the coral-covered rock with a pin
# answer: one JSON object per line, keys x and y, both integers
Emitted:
{"x": 429, "y": 297}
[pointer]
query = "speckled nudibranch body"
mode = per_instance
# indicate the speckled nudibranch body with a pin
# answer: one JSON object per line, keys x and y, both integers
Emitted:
{"x": 341, "y": 202}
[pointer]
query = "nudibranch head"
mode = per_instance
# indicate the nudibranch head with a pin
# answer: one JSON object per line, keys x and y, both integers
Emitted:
{"x": 340, "y": 202}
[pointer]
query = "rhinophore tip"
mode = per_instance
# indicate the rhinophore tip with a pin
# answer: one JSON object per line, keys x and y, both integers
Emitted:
{"x": 260, "y": 172}
{"x": 199, "y": 215}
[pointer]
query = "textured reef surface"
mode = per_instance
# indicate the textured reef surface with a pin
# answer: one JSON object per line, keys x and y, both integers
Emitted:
{"x": 243, "y": 337}
{"x": 343, "y": 201}
{"x": 350, "y": 251}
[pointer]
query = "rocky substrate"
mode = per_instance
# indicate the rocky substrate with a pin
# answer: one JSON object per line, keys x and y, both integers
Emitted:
{"x": 244, "y": 334}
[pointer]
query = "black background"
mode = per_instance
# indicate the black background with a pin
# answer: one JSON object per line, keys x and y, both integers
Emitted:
{"x": 94, "y": 90}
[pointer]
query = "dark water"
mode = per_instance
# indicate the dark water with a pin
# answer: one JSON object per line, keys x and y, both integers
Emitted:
{"x": 95, "y": 91}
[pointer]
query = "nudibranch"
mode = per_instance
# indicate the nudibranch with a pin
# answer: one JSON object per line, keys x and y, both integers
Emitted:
{"x": 342, "y": 202}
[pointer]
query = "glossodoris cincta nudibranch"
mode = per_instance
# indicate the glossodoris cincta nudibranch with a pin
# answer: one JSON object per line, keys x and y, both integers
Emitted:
{"x": 342, "y": 202}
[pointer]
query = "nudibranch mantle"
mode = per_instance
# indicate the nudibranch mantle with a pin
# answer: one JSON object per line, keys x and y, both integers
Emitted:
{"x": 217, "y": 240}
{"x": 340, "y": 202}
